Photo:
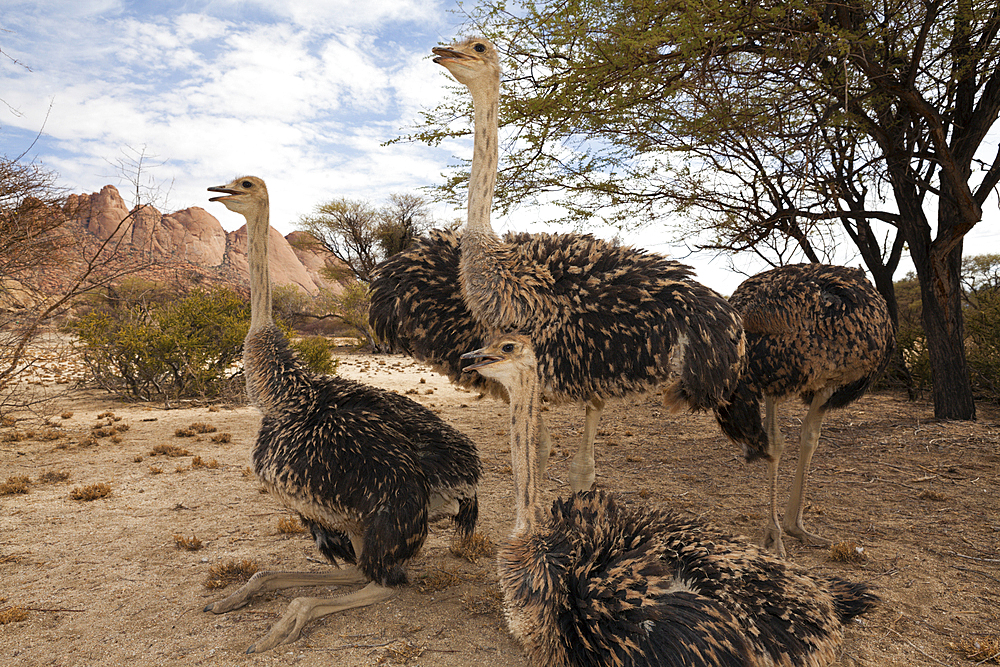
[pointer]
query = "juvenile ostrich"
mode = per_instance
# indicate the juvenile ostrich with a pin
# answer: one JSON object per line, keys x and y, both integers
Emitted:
{"x": 606, "y": 320}
{"x": 593, "y": 581}
{"x": 819, "y": 332}
{"x": 366, "y": 469}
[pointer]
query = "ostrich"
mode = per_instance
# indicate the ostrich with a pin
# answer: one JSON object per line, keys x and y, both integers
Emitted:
{"x": 366, "y": 469}
{"x": 593, "y": 581}
{"x": 606, "y": 320}
{"x": 819, "y": 332}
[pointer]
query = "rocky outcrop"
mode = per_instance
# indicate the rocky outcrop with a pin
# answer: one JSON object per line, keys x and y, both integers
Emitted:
{"x": 194, "y": 240}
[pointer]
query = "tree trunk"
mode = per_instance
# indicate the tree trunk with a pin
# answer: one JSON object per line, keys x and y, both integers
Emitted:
{"x": 941, "y": 293}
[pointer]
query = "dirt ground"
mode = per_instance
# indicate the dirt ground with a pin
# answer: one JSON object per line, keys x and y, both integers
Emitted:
{"x": 104, "y": 582}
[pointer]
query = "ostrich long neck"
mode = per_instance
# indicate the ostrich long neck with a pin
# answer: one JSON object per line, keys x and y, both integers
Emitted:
{"x": 258, "y": 229}
{"x": 483, "y": 277}
{"x": 524, "y": 405}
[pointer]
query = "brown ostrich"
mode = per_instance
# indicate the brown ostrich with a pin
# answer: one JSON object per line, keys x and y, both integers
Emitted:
{"x": 366, "y": 469}
{"x": 605, "y": 320}
{"x": 593, "y": 581}
{"x": 818, "y": 332}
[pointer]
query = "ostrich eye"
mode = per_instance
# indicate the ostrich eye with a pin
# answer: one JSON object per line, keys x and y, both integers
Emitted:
{"x": 247, "y": 184}
{"x": 509, "y": 347}
{"x": 479, "y": 48}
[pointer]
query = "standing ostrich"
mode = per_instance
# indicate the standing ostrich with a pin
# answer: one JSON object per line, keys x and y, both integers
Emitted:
{"x": 593, "y": 581}
{"x": 606, "y": 320}
{"x": 819, "y": 332}
{"x": 366, "y": 469}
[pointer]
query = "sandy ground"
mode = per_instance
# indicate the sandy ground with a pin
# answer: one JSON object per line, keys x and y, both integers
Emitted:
{"x": 104, "y": 582}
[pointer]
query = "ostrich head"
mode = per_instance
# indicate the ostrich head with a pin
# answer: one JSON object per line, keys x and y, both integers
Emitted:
{"x": 473, "y": 62}
{"x": 506, "y": 359}
{"x": 243, "y": 195}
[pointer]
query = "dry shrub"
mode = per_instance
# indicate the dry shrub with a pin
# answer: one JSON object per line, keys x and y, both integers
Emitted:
{"x": 52, "y": 476}
{"x": 91, "y": 492}
{"x": 89, "y": 441}
{"x": 137, "y": 458}
{"x": 848, "y": 552}
{"x": 231, "y": 571}
{"x": 169, "y": 450}
{"x": 930, "y": 494}
{"x": 197, "y": 427}
{"x": 107, "y": 414}
{"x": 978, "y": 649}
{"x": 50, "y": 435}
{"x": 66, "y": 415}
{"x": 289, "y": 525}
{"x": 15, "y": 484}
{"x": 155, "y": 470}
{"x": 13, "y": 614}
{"x": 488, "y": 602}
{"x": 213, "y": 408}
{"x": 188, "y": 544}
{"x": 8, "y": 421}
{"x": 438, "y": 581}
{"x": 198, "y": 462}
{"x": 222, "y": 438}
{"x": 17, "y": 436}
{"x": 403, "y": 651}
{"x": 473, "y": 547}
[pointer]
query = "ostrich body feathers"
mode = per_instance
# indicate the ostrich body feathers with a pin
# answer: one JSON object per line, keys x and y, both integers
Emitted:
{"x": 808, "y": 326}
{"x": 606, "y": 320}
{"x": 597, "y": 582}
{"x": 353, "y": 458}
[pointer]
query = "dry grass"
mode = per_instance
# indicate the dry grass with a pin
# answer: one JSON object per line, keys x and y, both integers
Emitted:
{"x": 978, "y": 649}
{"x": 194, "y": 429}
{"x": 198, "y": 462}
{"x": 66, "y": 415}
{"x": 231, "y": 571}
{"x": 473, "y": 548}
{"x": 108, "y": 414}
{"x": 52, "y": 476}
{"x": 8, "y": 421}
{"x": 402, "y": 652}
{"x": 155, "y": 470}
{"x": 222, "y": 438}
{"x": 169, "y": 450}
{"x": 488, "y": 602}
{"x": 17, "y": 436}
{"x": 438, "y": 581}
{"x": 13, "y": 614}
{"x": 848, "y": 552}
{"x": 91, "y": 492}
{"x": 15, "y": 484}
{"x": 289, "y": 525}
{"x": 930, "y": 494}
{"x": 188, "y": 544}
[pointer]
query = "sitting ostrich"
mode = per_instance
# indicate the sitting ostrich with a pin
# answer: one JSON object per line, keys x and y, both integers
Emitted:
{"x": 366, "y": 469}
{"x": 606, "y": 320}
{"x": 815, "y": 331}
{"x": 593, "y": 581}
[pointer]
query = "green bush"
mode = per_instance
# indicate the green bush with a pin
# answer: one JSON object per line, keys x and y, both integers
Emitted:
{"x": 315, "y": 353}
{"x": 169, "y": 348}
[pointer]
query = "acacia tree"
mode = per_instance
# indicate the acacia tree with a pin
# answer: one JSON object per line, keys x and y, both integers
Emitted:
{"x": 770, "y": 123}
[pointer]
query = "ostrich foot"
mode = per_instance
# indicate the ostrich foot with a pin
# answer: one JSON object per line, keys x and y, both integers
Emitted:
{"x": 303, "y": 611}
{"x": 772, "y": 540}
{"x": 806, "y": 537}
{"x": 271, "y": 581}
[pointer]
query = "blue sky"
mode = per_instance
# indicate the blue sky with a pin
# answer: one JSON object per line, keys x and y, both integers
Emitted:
{"x": 302, "y": 93}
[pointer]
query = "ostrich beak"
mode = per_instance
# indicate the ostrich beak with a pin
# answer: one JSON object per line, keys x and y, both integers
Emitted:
{"x": 223, "y": 189}
{"x": 444, "y": 53}
{"x": 485, "y": 359}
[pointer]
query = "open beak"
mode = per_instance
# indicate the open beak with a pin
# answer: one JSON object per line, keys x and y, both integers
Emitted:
{"x": 223, "y": 189}
{"x": 444, "y": 53}
{"x": 484, "y": 360}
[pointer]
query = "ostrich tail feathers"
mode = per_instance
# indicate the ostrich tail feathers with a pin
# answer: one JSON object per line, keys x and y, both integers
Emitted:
{"x": 851, "y": 599}
{"x": 740, "y": 421}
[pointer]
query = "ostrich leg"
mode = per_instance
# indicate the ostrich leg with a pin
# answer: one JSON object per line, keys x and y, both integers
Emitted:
{"x": 775, "y": 446}
{"x": 581, "y": 468}
{"x": 808, "y": 440}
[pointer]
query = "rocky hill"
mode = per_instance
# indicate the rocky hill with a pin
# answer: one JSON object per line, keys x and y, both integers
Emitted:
{"x": 192, "y": 242}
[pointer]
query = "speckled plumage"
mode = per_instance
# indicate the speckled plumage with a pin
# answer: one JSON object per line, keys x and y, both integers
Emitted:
{"x": 814, "y": 331}
{"x": 365, "y": 468}
{"x": 606, "y": 319}
{"x": 607, "y": 322}
{"x": 602, "y": 583}
{"x": 594, "y": 581}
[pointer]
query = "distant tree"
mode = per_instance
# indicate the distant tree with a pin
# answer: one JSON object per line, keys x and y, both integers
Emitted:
{"x": 764, "y": 123}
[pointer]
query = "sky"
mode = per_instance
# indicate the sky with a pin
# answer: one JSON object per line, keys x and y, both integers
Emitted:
{"x": 303, "y": 93}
